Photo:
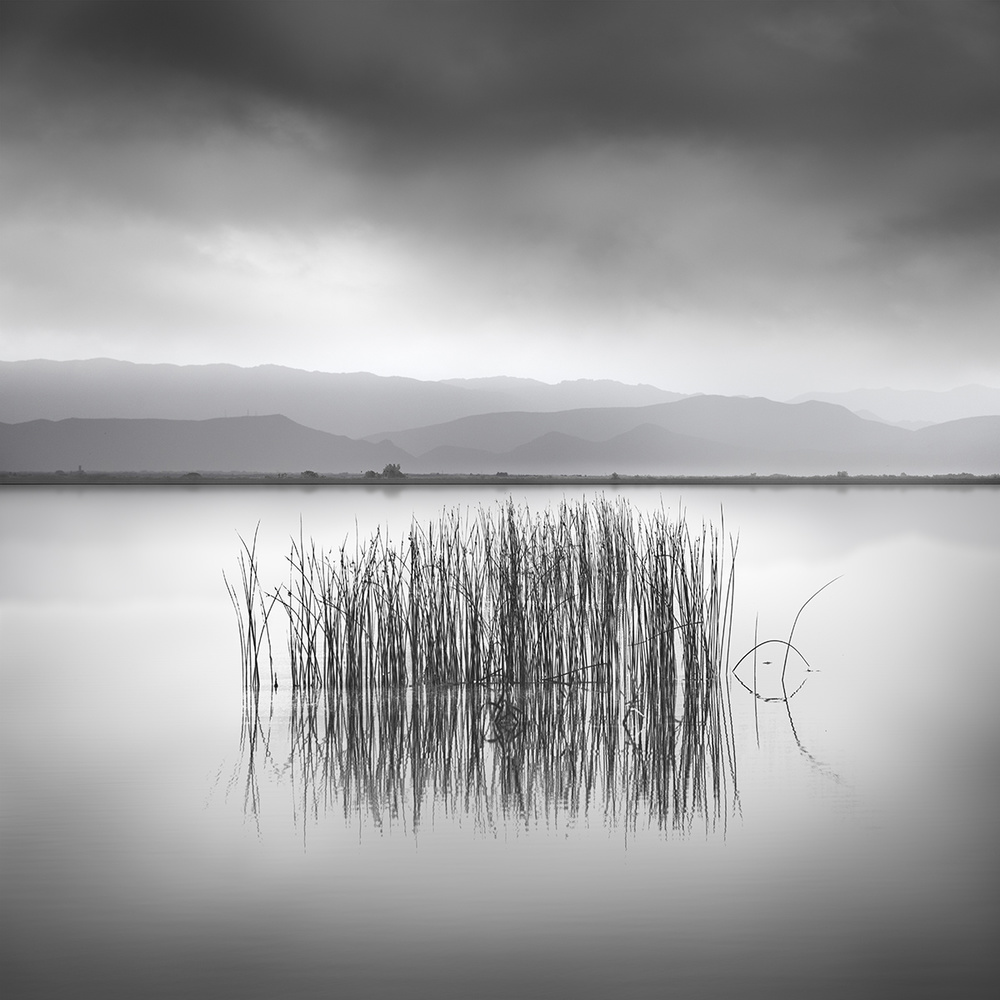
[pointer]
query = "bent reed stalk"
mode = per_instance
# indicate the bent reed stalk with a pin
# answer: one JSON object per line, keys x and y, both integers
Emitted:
{"x": 511, "y": 661}
{"x": 589, "y": 593}
{"x": 245, "y": 600}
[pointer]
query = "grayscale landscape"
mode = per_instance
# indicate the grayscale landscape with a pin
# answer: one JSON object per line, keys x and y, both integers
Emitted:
{"x": 499, "y": 499}
{"x": 114, "y": 417}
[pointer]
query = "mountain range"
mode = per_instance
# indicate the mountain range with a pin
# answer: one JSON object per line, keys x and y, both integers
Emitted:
{"x": 119, "y": 417}
{"x": 222, "y": 444}
{"x": 914, "y": 408}
{"x": 354, "y": 404}
{"x": 701, "y": 434}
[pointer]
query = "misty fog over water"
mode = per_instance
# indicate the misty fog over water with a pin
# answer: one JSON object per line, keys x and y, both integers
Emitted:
{"x": 854, "y": 854}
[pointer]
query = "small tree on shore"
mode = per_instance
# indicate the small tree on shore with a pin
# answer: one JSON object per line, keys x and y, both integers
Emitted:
{"x": 392, "y": 471}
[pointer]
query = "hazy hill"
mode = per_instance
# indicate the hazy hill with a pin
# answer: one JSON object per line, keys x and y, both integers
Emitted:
{"x": 915, "y": 407}
{"x": 973, "y": 436}
{"x": 354, "y": 404}
{"x": 731, "y": 420}
{"x": 115, "y": 416}
{"x": 529, "y": 394}
{"x": 963, "y": 446}
{"x": 721, "y": 436}
{"x": 234, "y": 444}
{"x": 359, "y": 404}
{"x": 646, "y": 449}
{"x": 708, "y": 434}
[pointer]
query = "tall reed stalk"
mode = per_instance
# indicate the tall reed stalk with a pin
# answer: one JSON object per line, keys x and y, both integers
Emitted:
{"x": 247, "y": 601}
{"x": 588, "y": 593}
{"x": 509, "y": 663}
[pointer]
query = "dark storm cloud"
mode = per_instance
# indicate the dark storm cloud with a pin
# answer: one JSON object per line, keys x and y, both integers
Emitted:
{"x": 484, "y": 74}
{"x": 658, "y": 175}
{"x": 966, "y": 213}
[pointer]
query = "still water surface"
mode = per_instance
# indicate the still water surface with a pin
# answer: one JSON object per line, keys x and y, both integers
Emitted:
{"x": 851, "y": 850}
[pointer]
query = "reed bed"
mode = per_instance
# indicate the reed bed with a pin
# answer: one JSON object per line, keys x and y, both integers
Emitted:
{"x": 506, "y": 663}
{"x": 589, "y": 593}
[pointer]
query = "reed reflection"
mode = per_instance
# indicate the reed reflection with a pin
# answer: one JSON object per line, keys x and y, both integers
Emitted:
{"x": 504, "y": 666}
{"x": 786, "y": 650}
{"x": 498, "y": 756}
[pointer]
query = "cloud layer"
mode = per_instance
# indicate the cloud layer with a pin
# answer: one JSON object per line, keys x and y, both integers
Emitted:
{"x": 733, "y": 197}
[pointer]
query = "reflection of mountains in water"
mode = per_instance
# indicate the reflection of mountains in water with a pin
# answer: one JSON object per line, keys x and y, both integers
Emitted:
{"x": 636, "y": 758}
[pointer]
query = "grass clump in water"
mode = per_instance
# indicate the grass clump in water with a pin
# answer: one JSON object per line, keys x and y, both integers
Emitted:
{"x": 589, "y": 593}
{"x": 513, "y": 661}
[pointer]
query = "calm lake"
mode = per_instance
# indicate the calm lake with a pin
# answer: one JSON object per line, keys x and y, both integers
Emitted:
{"x": 150, "y": 848}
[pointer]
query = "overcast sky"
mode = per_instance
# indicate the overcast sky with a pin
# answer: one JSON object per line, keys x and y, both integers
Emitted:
{"x": 742, "y": 198}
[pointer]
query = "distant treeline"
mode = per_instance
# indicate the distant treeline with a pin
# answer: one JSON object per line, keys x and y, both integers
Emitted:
{"x": 399, "y": 478}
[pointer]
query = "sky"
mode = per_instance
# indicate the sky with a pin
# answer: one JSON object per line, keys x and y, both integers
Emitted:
{"x": 760, "y": 198}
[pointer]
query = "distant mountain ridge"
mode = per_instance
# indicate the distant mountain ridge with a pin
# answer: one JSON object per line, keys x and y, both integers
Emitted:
{"x": 701, "y": 434}
{"x": 359, "y": 404}
{"x": 354, "y": 404}
{"x": 914, "y": 408}
{"x": 744, "y": 436}
{"x": 119, "y": 417}
{"x": 530, "y": 394}
{"x": 733, "y": 420}
{"x": 223, "y": 444}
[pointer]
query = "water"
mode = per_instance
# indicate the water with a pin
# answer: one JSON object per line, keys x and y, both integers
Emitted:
{"x": 855, "y": 855}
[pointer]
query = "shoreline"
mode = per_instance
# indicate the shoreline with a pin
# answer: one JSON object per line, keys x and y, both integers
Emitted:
{"x": 473, "y": 479}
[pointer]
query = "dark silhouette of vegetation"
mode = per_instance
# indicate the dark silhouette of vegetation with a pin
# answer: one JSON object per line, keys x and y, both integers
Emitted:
{"x": 247, "y": 601}
{"x": 548, "y": 754}
{"x": 507, "y": 664}
{"x": 589, "y": 593}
